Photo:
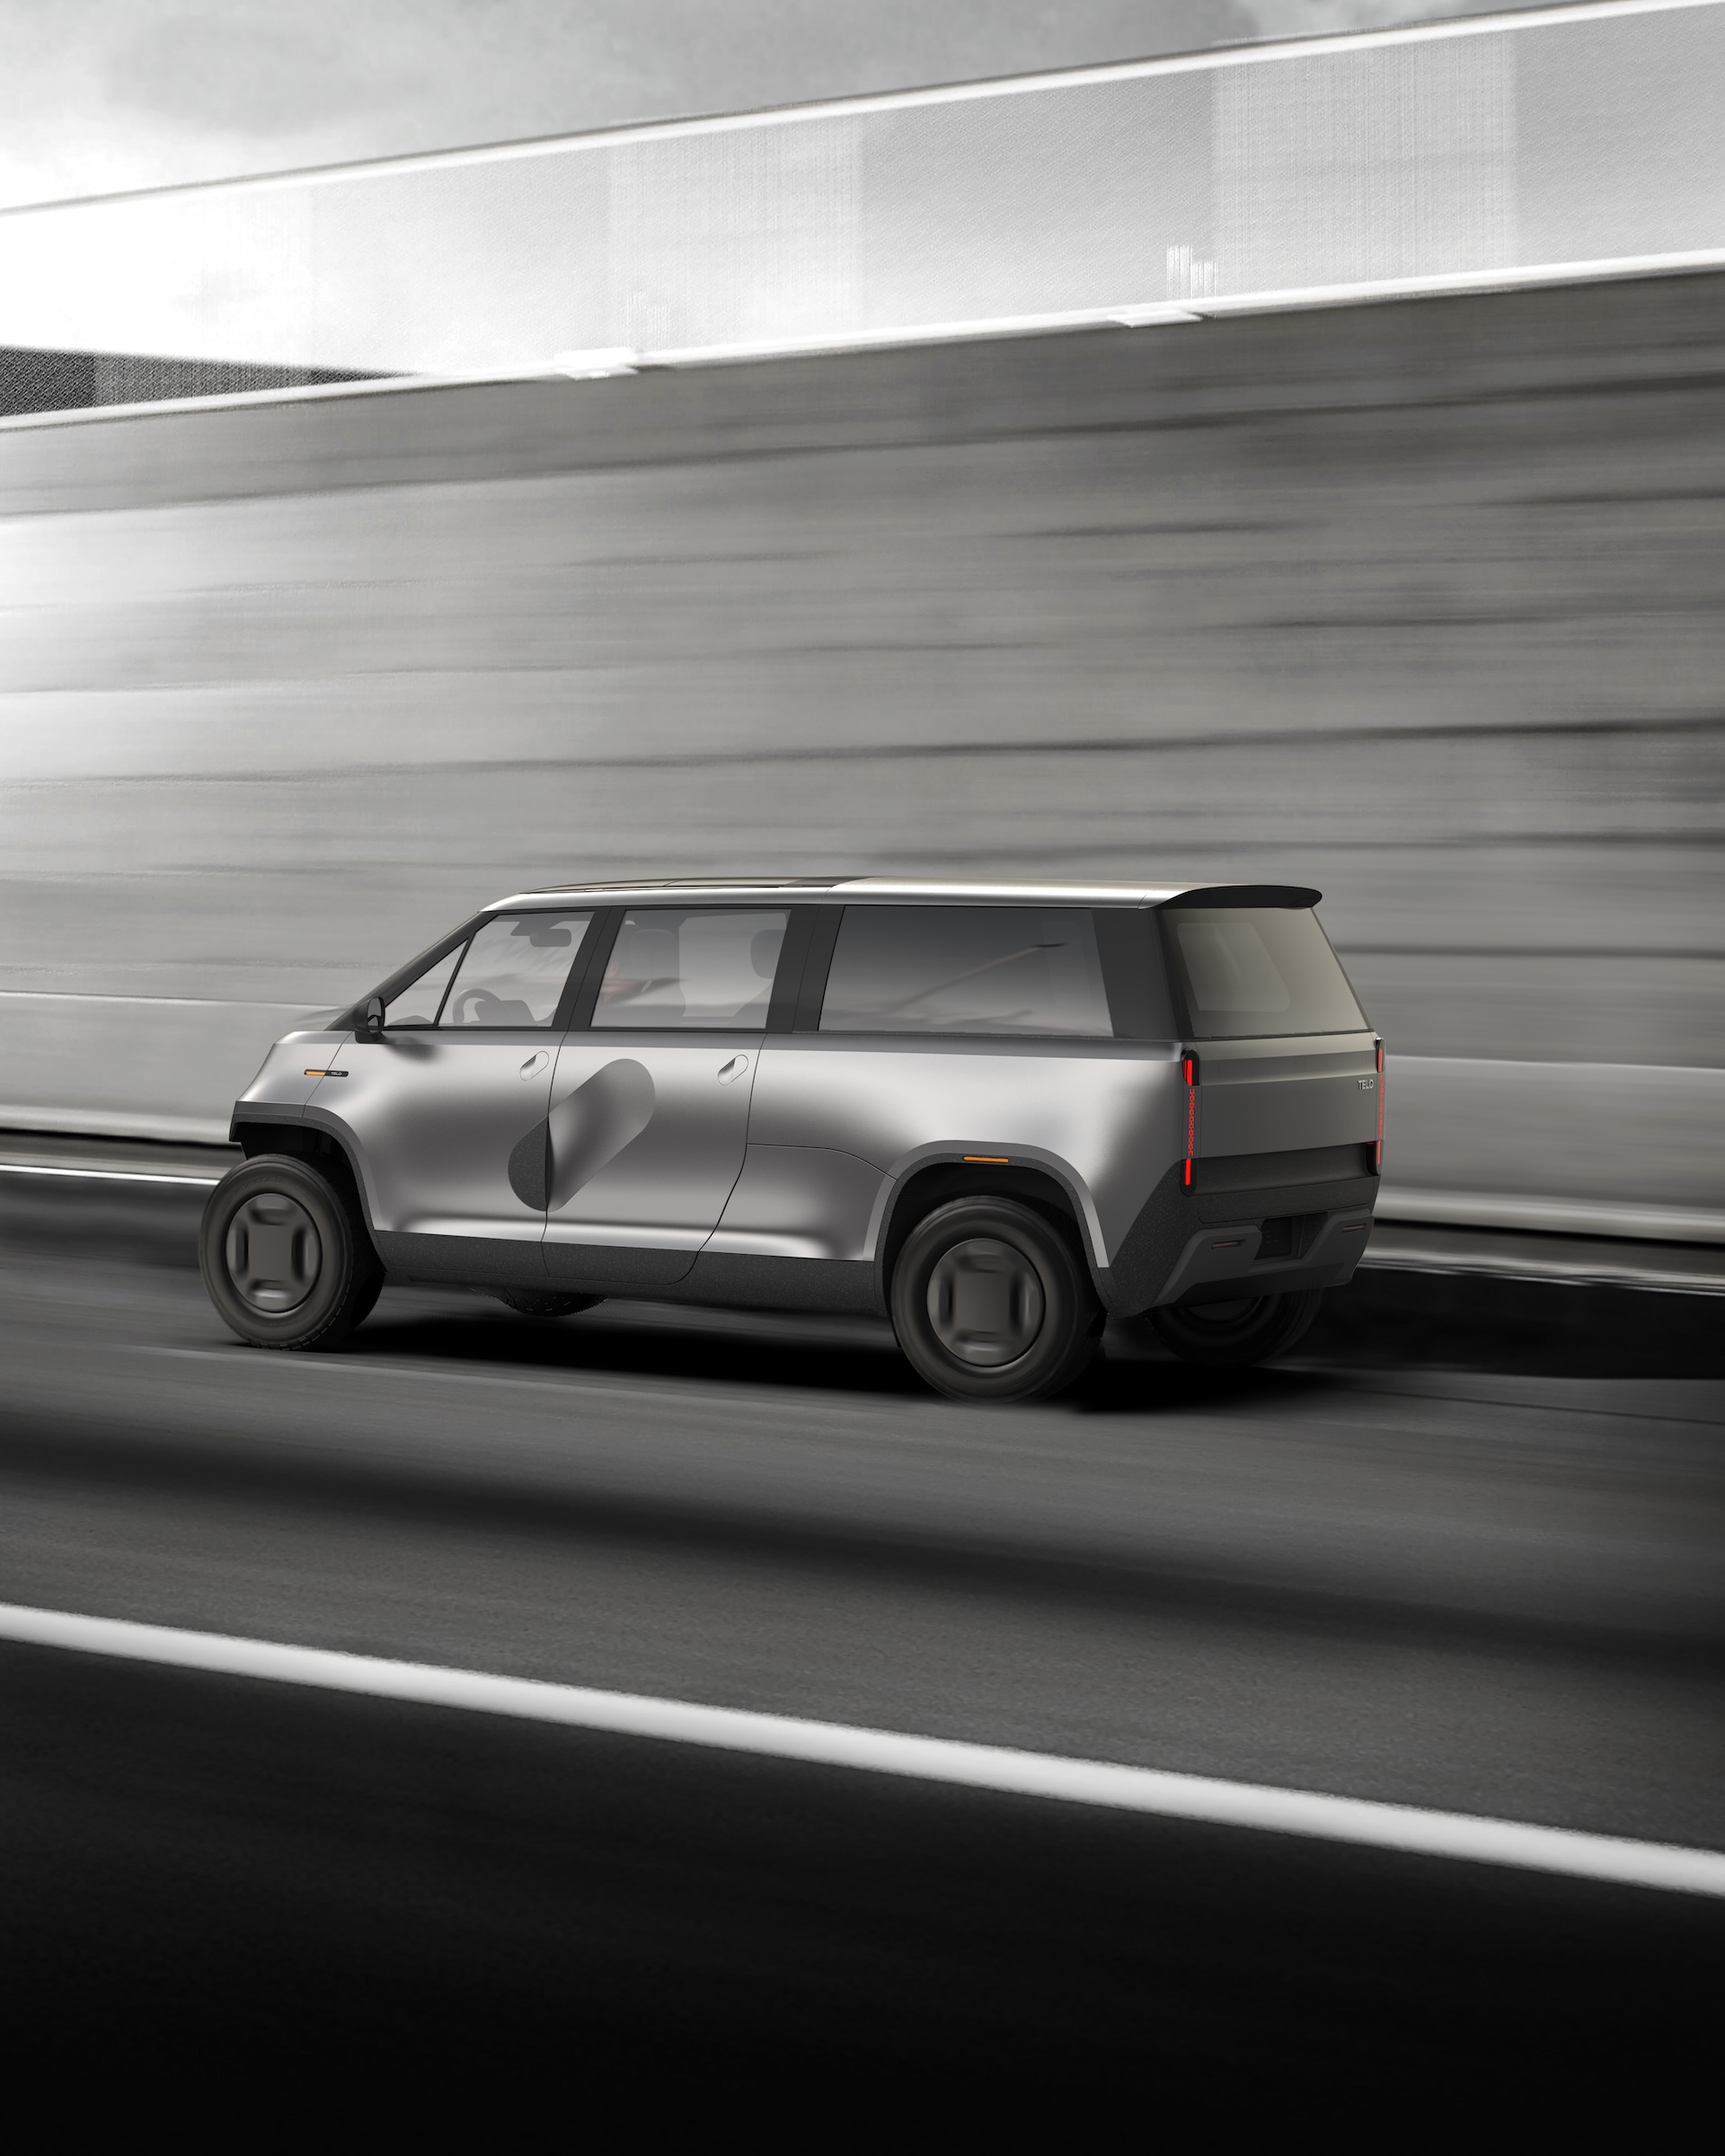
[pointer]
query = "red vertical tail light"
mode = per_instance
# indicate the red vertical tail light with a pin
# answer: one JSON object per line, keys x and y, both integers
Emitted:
{"x": 1189, "y": 1072}
{"x": 1377, "y": 1149}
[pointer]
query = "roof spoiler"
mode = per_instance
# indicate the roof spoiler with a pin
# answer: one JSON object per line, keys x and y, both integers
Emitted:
{"x": 1289, "y": 894}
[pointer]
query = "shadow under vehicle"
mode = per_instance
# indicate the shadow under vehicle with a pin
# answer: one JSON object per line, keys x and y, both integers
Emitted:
{"x": 998, "y": 1114}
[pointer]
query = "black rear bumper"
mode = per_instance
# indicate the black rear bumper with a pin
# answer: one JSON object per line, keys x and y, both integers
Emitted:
{"x": 1229, "y": 1234}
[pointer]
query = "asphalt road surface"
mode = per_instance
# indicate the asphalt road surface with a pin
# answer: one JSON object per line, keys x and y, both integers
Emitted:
{"x": 1462, "y": 1554}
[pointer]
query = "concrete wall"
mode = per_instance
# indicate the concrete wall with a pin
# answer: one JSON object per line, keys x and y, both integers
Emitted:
{"x": 1418, "y": 603}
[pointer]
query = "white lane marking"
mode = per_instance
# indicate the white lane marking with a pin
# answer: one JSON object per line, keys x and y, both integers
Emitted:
{"x": 1093, "y": 1782}
{"x": 108, "y": 1175}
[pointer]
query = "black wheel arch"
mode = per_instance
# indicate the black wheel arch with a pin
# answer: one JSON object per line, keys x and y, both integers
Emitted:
{"x": 327, "y": 1149}
{"x": 937, "y": 1182}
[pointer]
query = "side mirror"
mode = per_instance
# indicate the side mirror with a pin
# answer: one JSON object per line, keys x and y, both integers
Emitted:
{"x": 371, "y": 1027}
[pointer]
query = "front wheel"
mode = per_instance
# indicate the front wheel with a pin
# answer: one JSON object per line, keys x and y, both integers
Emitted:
{"x": 285, "y": 1255}
{"x": 991, "y": 1301}
{"x": 1232, "y": 1336}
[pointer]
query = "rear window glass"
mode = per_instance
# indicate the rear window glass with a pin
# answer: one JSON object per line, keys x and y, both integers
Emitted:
{"x": 965, "y": 969}
{"x": 1258, "y": 970}
{"x": 514, "y": 969}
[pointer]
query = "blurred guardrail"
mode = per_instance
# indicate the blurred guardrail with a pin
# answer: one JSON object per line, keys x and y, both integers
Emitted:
{"x": 1419, "y": 603}
{"x": 1497, "y": 147}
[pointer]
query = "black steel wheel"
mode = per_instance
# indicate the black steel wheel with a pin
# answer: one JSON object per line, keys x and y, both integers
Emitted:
{"x": 990, "y": 1301}
{"x": 1232, "y": 1336}
{"x": 532, "y": 1302}
{"x": 285, "y": 1255}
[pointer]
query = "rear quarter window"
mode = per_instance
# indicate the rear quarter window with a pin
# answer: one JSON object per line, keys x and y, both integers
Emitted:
{"x": 1257, "y": 972}
{"x": 965, "y": 969}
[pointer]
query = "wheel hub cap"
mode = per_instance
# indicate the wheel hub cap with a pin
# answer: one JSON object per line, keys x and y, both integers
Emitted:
{"x": 274, "y": 1255}
{"x": 985, "y": 1303}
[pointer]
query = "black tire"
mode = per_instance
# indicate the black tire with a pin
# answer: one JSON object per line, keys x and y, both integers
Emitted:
{"x": 991, "y": 1301}
{"x": 534, "y": 1303}
{"x": 366, "y": 1301}
{"x": 285, "y": 1255}
{"x": 1232, "y": 1336}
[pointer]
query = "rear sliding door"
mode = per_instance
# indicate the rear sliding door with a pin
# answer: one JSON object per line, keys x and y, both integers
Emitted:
{"x": 929, "y": 1031}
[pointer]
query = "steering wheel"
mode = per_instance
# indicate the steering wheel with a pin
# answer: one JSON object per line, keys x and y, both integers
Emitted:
{"x": 465, "y": 1003}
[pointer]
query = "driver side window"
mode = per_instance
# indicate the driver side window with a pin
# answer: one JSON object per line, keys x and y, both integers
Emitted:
{"x": 419, "y": 1002}
{"x": 513, "y": 971}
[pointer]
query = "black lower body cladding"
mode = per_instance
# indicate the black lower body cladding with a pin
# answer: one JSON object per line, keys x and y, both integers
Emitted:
{"x": 1292, "y": 1250}
{"x": 596, "y": 1272}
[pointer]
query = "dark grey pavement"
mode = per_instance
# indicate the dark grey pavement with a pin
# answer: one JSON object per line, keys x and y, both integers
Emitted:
{"x": 296, "y": 1915}
{"x": 1421, "y": 1564}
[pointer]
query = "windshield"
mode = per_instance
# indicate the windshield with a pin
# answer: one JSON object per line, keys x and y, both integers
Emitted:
{"x": 1254, "y": 971}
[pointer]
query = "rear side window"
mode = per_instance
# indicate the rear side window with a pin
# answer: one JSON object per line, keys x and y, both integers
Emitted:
{"x": 965, "y": 969}
{"x": 1258, "y": 971}
{"x": 512, "y": 973}
{"x": 701, "y": 967}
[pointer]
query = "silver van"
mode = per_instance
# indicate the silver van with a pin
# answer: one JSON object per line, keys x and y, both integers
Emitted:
{"x": 999, "y": 1114}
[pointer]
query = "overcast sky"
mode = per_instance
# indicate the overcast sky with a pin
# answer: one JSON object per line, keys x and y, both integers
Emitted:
{"x": 103, "y": 95}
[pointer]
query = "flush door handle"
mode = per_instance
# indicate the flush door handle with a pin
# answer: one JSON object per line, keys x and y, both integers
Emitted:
{"x": 535, "y": 1062}
{"x": 729, "y": 1073}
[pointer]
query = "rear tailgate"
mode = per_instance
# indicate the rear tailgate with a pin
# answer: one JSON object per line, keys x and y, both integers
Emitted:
{"x": 1283, "y": 1096}
{"x": 1283, "y": 1065}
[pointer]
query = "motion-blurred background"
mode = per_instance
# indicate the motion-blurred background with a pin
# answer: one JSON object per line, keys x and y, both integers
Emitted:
{"x": 1271, "y": 459}
{"x": 1217, "y": 438}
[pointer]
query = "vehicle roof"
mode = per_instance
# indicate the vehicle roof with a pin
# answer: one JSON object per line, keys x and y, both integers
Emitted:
{"x": 935, "y": 890}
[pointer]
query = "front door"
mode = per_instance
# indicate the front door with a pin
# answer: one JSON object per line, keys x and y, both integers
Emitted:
{"x": 649, "y": 1105}
{"x": 448, "y": 1108}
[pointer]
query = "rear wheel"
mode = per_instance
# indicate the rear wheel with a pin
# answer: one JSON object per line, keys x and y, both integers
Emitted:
{"x": 991, "y": 1301}
{"x": 533, "y": 1303}
{"x": 1232, "y": 1336}
{"x": 285, "y": 1255}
